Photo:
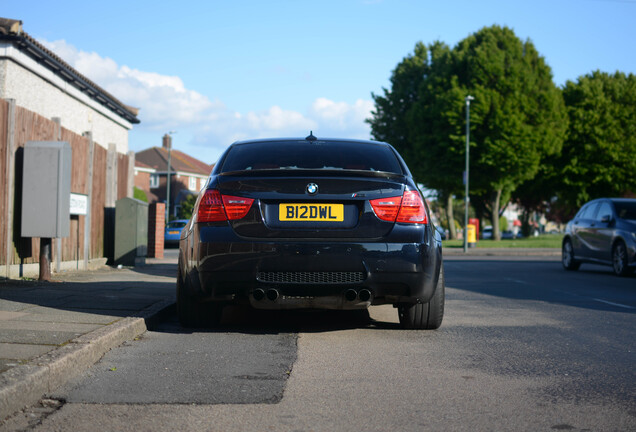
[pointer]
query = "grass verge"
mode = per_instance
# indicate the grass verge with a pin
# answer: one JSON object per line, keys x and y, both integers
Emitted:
{"x": 542, "y": 241}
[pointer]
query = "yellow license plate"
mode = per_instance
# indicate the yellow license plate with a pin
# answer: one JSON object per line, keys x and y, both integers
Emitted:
{"x": 311, "y": 212}
{"x": 173, "y": 232}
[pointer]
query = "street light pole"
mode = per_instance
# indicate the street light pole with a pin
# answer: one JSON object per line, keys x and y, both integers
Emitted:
{"x": 466, "y": 198}
{"x": 168, "y": 178}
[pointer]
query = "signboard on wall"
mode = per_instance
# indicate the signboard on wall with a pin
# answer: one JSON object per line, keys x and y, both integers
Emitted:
{"x": 79, "y": 204}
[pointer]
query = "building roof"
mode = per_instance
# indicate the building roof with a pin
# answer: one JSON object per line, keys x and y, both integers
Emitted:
{"x": 157, "y": 158}
{"x": 140, "y": 164}
{"x": 11, "y": 31}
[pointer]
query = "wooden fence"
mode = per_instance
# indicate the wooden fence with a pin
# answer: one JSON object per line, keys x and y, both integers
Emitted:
{"x": 17, "y": 126}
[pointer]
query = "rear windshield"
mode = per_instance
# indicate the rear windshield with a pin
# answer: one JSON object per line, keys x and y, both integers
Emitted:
{"x": 626, "y": 209}
{"x": 316, "y": 155}
{"x": 179, "y": 224}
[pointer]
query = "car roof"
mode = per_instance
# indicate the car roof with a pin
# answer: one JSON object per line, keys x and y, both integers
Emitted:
{"x": 305, "y": 140}
{"x": 609, "y": 199}
{"x": 622, "y": 199}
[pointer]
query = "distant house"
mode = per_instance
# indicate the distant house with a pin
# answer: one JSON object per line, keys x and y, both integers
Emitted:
{"x": 41, "y": 82}
{"x": 187, "y": 174}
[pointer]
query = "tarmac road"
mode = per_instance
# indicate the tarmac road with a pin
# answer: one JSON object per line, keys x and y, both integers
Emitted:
{"x": 524, "y": 346}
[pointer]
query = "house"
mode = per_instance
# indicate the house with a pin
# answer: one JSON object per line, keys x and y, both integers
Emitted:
{"x": 40, "y": 81}
{"x": 43, "y": 98}
{"x": 187, "y": 174}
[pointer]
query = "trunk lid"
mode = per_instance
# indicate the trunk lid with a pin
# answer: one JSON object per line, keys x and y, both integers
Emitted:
{"x": 285, "y": 207}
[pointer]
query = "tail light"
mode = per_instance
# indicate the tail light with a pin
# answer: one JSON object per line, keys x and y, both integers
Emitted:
{"x": 408, "y": 208}
{"x": 412, "y": 209}
{"x": 215, "y": 207}
{"x": 386, "y": 209}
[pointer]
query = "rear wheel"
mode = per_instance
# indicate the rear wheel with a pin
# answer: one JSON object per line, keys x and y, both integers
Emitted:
{"x": 567, "y": 256}
{"x": 192, "y": 313}
{"x": 425, "y": 316}
{"x": 619, "y": 259}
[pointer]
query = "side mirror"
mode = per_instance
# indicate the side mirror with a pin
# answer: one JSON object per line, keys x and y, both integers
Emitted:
{"x": 606, "y": 219}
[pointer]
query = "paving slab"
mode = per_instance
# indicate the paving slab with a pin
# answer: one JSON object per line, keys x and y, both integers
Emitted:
{"x": 15, "y": 351}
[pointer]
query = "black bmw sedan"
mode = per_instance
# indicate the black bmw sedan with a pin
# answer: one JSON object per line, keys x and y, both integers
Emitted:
{"x": 311, "y": 223}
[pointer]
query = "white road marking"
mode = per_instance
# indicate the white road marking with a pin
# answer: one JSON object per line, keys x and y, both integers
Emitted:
{"x": 614, "y": 304}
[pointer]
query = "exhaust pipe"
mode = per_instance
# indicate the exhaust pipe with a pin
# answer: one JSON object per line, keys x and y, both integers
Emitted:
{"x": 258, "y": 294}
{"x": 272, "y": 294}
{"x": 350, "y": 295}
{"x": 364, "y": 295}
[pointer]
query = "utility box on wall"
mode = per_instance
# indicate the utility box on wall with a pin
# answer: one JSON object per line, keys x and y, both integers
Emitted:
{"x": 131, "y": 231}
{"x": 46, "y": 189}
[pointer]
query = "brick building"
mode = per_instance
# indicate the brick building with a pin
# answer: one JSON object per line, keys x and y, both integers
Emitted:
{"x": 187, "y": 174}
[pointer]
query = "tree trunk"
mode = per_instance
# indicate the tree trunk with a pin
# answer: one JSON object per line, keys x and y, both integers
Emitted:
{"x": 450, "y": 217}
{"x": 496, "y": 235}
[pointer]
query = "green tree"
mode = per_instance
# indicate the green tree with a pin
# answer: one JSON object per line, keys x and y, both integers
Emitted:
{"x": 518, "y": 117}
{"x": 420, "y": 75}
{"x": 187, "y": 207}
{"x": 599, "y": 155}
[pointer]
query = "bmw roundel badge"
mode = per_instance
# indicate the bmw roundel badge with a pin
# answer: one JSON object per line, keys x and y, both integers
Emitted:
{"x": 312, "y": 188}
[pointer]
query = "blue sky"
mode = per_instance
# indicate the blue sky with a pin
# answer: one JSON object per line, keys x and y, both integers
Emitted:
{"x": 217, "y": 71}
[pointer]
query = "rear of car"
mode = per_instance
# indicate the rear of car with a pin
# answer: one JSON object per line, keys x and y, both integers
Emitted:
{"x": 172, "y": 233}
{"x": 308, "y": 223}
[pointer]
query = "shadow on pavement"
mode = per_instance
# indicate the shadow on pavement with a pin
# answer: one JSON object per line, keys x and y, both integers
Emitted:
{"x": 243, "y": 319}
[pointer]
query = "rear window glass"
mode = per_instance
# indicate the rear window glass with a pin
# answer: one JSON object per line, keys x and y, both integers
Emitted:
{"x": 316, "y": 155}
{"x": 587, "y": 212}
{"x": 177, "y": 224}
{"x": 626, "y": 209}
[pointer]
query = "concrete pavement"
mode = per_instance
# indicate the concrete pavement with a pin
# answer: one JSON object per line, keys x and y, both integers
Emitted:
{"x": 52, "y": 331}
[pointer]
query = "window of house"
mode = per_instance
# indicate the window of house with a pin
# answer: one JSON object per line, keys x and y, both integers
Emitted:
{"x": 154, "y": 181}
{"x": 193, "y": 184}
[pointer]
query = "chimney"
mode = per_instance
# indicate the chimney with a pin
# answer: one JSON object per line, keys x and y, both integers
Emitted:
{"x": 167, "y": 142}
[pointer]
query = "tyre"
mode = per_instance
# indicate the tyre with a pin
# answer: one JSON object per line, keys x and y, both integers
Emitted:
{"x": 619, "y": 259}
{"x": 425, "y": 316}
{"x": 567, "y": 256}
{"x": 192, "y": 313}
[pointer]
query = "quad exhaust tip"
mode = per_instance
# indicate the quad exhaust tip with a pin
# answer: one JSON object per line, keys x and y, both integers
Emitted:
{"x": 272, "y": 294}
{"x": 260, "y": 294}
{"x": 364, "y": 295}
{"x": 350, "y": 295}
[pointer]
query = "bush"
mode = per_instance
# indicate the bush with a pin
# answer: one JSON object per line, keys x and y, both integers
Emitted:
{"x": 140, "y": 194}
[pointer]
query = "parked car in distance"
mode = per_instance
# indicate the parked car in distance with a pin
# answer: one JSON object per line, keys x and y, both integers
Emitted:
{"x": 311, "y": 224}
{"x": 510, "y": 235}
{"x": 486, "y": 233}
{"x": 172, "y": 233}
{"x": 602, "y": 232}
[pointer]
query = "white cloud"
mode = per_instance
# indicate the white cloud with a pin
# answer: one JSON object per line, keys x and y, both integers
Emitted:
{"x": 166, "y": 104}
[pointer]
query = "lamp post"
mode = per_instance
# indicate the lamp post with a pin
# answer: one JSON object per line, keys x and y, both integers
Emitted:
{"x": 169, "y": 134}
{"x": 466, "y": 198}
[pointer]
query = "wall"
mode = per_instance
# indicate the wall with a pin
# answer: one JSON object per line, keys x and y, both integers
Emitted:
{"x": 142, "y": 180}
{"x": 38, "y": 89}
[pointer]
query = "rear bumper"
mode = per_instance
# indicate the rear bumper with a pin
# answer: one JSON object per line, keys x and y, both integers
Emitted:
{"x": 315, "y": 274}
